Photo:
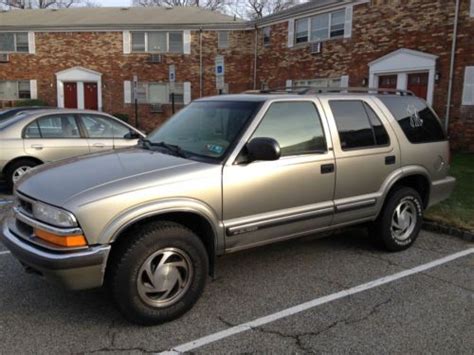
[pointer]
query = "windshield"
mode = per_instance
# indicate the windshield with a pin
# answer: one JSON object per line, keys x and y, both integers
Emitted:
{"x": 206, "y": 128}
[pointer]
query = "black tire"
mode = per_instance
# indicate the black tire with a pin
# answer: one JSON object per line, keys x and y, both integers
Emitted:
{"x": 127, "y": 261}
{"x": 14, "y": 166}
{"x": 381, "y": 230}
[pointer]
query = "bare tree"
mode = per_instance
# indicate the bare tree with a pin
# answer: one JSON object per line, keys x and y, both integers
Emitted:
{"x": 208, "y": 4}
{"x": 255, "y": 9}
{"x": 45, "y": 4}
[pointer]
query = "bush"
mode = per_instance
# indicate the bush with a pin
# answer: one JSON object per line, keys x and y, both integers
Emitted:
{"x": 32, "y": 102}
{"x": 122, "y": 116}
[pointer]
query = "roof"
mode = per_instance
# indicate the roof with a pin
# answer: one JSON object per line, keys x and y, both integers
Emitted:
{"x": 114, "y": 17}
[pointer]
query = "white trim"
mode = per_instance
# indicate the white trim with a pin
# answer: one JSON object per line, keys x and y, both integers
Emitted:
{"x": 127, "y": 92}
{"x": 344, "y": 81}
{"x": 31, "y": 43}
{"x": 78, "y": 75}
{"x": 289, "y": 83}
{"x": 126, "y": 42}
{"x": 302, "y": 307}
{"x": 291, "y": 32}
{"x": 186, "y": 92}
{"x": 187, "y": 42}
{"x": 471, "y": 12}
{"x": 468, "y": 86}
{"x": 33, "y": 89}
{"x": 348, "y": 22}
{"x": 401, "y": 63}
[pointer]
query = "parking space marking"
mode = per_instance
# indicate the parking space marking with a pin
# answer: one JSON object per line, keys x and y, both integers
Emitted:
{"x": 4, "y": 252}
{"x": 212, "y": 338}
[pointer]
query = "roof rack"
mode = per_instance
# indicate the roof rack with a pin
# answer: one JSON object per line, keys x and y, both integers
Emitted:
{"x": 311, "y": 90}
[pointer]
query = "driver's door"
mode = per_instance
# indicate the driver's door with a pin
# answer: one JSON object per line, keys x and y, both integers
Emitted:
{"x": 264, "y": 201}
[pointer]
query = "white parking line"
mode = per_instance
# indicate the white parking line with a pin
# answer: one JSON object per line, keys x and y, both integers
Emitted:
{"x": 4, "y": 252}
{"x": 313, "y": 303}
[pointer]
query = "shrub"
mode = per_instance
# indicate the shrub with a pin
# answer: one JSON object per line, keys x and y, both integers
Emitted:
{"x": 122, "y": 116}
{"x": 31, "y": 102}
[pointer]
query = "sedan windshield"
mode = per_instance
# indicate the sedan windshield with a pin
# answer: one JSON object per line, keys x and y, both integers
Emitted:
{"x": 205, "y": 128}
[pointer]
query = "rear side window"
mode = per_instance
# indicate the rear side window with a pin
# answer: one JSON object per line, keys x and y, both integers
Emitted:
{"x": 358, "y": 125}
{"x": 419, "y": 123}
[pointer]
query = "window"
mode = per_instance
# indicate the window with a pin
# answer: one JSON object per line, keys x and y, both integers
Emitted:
{"x": 419, "y": 123}
{"x": 223, "y": 39}
{"x": 320, "y": 27}
{"x": 357, "y": 124}
{"x": 468, "y": 89}
{"x": 157, "y": 41}
{"x": 301, "y": 30}
{"x": 103, "y": 127}
{"x": 138, "y": 41}
{"x": 157, "y": 93}
{"x": 319, "y": 83}
{"x": 57, "y": 126}
{"x": 266, "y": 35}
{"x": 14, "y": 42}
{"x": 296, "y": 126}
{"x": 15, "y": 90}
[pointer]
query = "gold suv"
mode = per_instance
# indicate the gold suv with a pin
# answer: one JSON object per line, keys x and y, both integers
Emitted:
{"x": 35, "y": 137}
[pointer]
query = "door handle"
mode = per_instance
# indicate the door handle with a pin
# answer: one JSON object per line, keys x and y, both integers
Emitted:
{"x": 390, "y": 160}
{"x": 327, "y": 168}
{"x": 37, "y": 146}
{"x": 98, "y": 145}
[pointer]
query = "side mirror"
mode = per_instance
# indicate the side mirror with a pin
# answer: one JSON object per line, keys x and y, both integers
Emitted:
{"x": 263, "y": 149}
{"x": 132, "y": 135}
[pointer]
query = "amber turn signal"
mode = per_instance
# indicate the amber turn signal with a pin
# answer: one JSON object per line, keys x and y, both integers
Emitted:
{"x": 64, "y": 241}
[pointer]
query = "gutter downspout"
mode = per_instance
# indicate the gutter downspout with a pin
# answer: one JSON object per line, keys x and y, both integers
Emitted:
{"x": 451, "y": 66}
{"x": 255, "y": 60}
{"x": 200, "y": 62}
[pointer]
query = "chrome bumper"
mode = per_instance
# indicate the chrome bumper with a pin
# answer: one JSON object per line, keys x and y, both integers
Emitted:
{"x": 441, "y": 190}
{"x": 76, "y": 270}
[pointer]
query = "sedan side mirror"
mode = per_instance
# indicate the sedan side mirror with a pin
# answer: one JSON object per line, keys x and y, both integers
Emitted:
{"x": 132, "y": 135}
{"x": 263, "y": 149}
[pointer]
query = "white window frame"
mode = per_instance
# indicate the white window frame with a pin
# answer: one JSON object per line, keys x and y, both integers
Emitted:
{"x": 309, "y": 20}
{"x": 221, "y": 44}
{"x": 468, "y": 87}
{"x": 18, "y": 90}
{"x": 471, "y": 11}
{"x": 167, "y": 42}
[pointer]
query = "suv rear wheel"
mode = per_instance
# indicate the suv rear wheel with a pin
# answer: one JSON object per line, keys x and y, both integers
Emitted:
{"x": 160, "y": 274}
{"x": 399, "y": 223}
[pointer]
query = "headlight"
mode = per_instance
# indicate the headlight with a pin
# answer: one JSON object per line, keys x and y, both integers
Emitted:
{"x": 53, "y": 215}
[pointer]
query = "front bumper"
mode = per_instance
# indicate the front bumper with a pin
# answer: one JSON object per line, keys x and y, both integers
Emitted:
{"x": 76, "y": 270}
{"x": 441, "y": 190}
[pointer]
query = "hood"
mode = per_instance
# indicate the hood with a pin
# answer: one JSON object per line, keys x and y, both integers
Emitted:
{"x": 57, "y": 183}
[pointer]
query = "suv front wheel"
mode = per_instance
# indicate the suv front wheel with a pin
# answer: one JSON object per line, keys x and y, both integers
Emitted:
{"x": 400, "y": 220}
{"x": 160, "y": 274}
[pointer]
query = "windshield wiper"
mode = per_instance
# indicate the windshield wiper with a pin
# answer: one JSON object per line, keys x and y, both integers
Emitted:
{"x": 175, "y": 149}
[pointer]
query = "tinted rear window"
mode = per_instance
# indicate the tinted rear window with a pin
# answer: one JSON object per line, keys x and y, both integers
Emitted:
{"x": 419, "y": 123}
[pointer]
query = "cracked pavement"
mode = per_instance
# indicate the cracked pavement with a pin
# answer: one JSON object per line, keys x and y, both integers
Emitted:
{"x": 430, "y": 312}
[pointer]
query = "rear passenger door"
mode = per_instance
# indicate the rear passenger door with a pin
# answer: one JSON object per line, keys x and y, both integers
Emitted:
{"x": 54, "y": 137}
{"x": 366, "y": 153}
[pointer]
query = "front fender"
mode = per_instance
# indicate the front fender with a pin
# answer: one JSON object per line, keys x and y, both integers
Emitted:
{"x": 136, "y": 213}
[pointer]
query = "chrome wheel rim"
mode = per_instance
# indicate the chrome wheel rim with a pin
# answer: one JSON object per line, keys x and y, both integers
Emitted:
{"x": 164, "y": 277}
{"x": 19, "y": 172}
{"x": 404, "y": 219}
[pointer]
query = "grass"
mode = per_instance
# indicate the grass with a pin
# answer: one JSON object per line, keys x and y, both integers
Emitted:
{"x": 458, "y": 210}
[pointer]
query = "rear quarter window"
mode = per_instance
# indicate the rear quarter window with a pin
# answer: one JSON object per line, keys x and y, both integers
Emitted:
{"x": 418, "y": 121}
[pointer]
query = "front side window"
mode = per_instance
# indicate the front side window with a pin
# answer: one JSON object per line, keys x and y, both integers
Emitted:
{"x": 15, "y": 90}
{"x": 14, "y": 42}
{"x": 103, "y": 127}
{"x": 56, "y": 126}
{"x": 296, "y": 126}
{"x": 419, "y": 123}
{"x": 206, "y": 128}
{"x": 358, "y": 125}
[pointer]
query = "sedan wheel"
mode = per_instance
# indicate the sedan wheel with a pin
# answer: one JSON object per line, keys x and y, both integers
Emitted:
{"x": 19, "y": 172}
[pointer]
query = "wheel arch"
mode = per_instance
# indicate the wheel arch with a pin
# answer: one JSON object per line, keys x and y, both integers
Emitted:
{"x": 23, "y": 157}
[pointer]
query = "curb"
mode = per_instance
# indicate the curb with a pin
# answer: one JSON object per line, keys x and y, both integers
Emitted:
{"x": 433, "y": 226}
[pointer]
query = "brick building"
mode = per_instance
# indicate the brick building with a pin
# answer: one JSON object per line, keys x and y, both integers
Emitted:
{"x": 105, "y": 58}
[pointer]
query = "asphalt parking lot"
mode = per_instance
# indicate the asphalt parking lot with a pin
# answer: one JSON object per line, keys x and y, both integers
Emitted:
{"x": 427, "y": 309}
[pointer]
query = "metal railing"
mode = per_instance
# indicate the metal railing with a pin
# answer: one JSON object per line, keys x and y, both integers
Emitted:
{"x": 311, "y": 90}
